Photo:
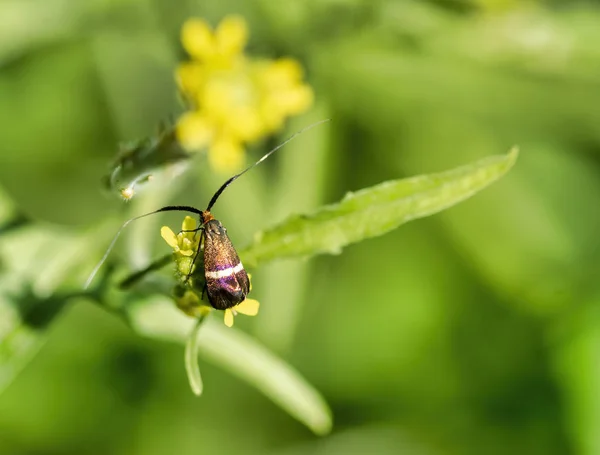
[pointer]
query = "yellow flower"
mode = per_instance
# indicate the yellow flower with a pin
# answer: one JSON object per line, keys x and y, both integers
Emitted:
{"x": 233, "y": 99}
{"x": 185, "y": 244}
{"x": 249, "y": 307}
{"x": 191, "y": 304}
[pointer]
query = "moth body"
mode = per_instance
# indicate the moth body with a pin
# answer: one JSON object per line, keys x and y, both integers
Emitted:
{"x": 227, "y": 282}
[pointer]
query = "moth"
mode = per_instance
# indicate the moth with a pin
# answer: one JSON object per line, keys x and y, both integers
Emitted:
{"x": 227, "y": 282}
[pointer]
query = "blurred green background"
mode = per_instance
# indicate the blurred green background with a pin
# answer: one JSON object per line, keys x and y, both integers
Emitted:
{"x": 476, "y": 331}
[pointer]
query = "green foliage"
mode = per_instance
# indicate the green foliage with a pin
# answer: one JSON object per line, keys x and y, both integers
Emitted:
{"x": 364, "y": 214}
{"x": 374, "y": 211}
{"x": 139, "y": 160}
{"x": 471, "y": 332}
{"x": 191, "y": 359}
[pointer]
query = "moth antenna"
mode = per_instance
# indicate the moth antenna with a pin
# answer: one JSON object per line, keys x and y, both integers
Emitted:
{"x": 169, "y": 208}
{"x": 265, "y": 156}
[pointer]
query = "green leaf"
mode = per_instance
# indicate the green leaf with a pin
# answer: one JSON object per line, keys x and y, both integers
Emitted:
{"x": 39, "y": 266}
{"x": 138, "y": 160}
{"x": 191, "y": 359}
{"x": 375, "y": 211}
{"x": 242, "y": 356}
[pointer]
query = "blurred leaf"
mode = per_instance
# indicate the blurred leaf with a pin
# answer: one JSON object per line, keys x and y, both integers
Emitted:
{"x": 577, "y": 370}
{"x": 138, "y": 160}
{"x": 242, "y": 356}
{"x": 26, "y": 24}
{"x": 25, "y": 319}
{"x": 375, "y": 211}
{"x": 546, "y": 259}
{"x": 67, "y": 163}
{"x": 41, "y": 267}
{"x": 392, "y": 84}
{"x": 380, "y": 439}
{"x": 29, "y": 25}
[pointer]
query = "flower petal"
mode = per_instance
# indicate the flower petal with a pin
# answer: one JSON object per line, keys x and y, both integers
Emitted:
{"x": 228, "y": 319}
{"x": 249, "y": 307}
{"x": 282, "y": 73}
{"x": 231, "y": 35}
{"x": 194, "y": 131}
{"x": 190, "y": 77}
{"x": 189, "y": 224}
{"x": 296, "y": 100}
{"x": 226, "y": 92}
{"x": 169, "y": 236}
{"x": 197, "y": 39}
{"x": 246, "y": 124}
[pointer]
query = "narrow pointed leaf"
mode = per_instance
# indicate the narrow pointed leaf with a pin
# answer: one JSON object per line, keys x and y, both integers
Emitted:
{"x": 242, "y": 356}
{"x": 375, "y": 211}
{"x": 191, "y": 360}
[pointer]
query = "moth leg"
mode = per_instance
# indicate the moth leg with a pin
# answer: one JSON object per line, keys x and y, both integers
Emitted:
{"x": 189, "y": 275}
{"x": 191, "y": 230}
